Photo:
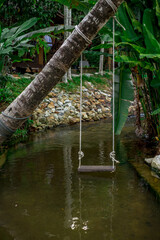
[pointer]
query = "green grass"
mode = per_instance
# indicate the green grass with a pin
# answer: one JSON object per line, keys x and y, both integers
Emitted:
{"x": 13, "y": 88}
{"x": 73, "y": 84}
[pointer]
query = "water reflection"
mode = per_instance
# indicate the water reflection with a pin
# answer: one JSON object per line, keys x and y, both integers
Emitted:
{"x": 44, "y": 197}
{"x": 68, "y": 186}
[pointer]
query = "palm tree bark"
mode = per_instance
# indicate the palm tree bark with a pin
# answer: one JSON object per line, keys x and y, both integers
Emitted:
{"x": 54, "y": 70}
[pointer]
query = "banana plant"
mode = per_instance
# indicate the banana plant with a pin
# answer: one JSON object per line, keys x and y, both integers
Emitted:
{"x": 15, "y": 42}
{"x": 138, "y": 46}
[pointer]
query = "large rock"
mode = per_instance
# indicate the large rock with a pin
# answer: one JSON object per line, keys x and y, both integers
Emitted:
{"x": 156, "y": 162}
{"x": 148, "y": 160}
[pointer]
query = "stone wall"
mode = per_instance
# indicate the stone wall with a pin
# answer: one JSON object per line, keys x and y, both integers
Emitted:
{"x": 62, "y": 108}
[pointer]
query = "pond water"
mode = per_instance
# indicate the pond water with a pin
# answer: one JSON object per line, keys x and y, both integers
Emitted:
{"x": 42, "y": 196}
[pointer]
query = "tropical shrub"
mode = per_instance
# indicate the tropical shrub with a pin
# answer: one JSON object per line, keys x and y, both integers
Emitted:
{"x": 16, "y": 11}
{"x": 138, "y": 49}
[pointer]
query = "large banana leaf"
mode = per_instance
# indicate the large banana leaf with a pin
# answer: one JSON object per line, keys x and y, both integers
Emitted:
{"x": 156, "y": 81}
{"x": 26, "y": 25}
{"x": 135, "y": 23}
{"x": 123, "y": 97}
{"x": 150, "y": 55}
{"x": 134, "y": 62}
{"x": 129, "y": 34}
{"x": 44, "y": 31}
{"x": 151, "y": 42}
{"x": 158, "y": 11}
{"x": 1, "y": 2}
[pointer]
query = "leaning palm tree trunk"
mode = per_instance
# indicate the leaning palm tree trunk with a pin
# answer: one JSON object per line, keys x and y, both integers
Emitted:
{"x": 54, "y": 70}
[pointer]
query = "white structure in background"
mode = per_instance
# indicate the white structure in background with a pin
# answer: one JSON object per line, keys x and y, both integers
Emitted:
{"x": 67, "y": 22}
{"x": 48, "y": 39}
{"x": 101, "y": 60}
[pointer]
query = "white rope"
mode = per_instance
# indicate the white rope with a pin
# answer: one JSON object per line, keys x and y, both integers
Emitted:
{"x": 82, "y": 35}
{"x": 80, "y": 153}
{"x": 112, "y": 5}
{"x": 119, "y": 23}
{"x": 112, "y": 154}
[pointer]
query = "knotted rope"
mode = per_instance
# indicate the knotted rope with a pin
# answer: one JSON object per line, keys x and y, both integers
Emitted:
{"x": 80, "y": 153}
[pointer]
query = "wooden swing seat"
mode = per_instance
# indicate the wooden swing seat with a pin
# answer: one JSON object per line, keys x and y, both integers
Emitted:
{"x": 87, "y": 168}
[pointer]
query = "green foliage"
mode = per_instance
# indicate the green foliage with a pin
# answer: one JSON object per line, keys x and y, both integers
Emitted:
{"x": 9, "y": 44}
{"x": 13, "y": 88}
{"x": 143, "y": 53}
{"x": 139, "y": 46}
{"x": 157, "y": 111}
{"x": 14, "y": 11}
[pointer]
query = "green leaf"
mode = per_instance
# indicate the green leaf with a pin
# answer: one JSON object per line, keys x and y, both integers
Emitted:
{"x": 150, "y": 55}
{"x": 138, "y": 48}
{"x": 22, "y": 60}
{"x": 21, "y": 52}
{"x": 151, "y": 42}
{"x": 134, "y": 62}
{"x": 43, "y": 32}
{"x": 6, "y": 51}
{"x": 135, "y": 23}
{"x": 157, "y": 111}
{"x": 1, "y": 3}
{"x": 123, "y": 97}
{"x": 129, "y": 34}
{"x": 126, "y": 59}
{"x": 156, "y": 81}
{"x": 158, "y": 12}
{"x": 105, "y": 46}
{"x": 26, "y": 25}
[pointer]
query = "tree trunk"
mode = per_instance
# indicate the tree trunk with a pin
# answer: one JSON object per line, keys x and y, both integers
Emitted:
{"x": 55, "y": 69}
{"x": 110, "y": 59}
{"x": 101, "y": 60}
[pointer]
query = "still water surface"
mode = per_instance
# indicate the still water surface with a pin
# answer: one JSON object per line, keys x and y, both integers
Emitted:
{"x": 42, "y": 196}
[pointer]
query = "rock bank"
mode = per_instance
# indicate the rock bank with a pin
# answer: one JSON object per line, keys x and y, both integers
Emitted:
{"x": 154, "y": 162}
{"x": 63, "y": 108}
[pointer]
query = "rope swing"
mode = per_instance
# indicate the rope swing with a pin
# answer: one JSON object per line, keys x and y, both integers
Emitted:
{"x": 85, "y": 168}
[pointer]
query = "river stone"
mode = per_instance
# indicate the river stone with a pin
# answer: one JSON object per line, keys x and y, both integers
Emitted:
{"x": 51, "y": 105}
{"x": 73, "y": 120}
{"x": 148, "y": 160}
{"x": 42, "y": 120}
{"x": 99, "y": 110}
{"x": 69, "y": 104}
{"x": 156, "y": 162}
{"x": 67, "y": 101}
{"x": 60, "y": 103}
{"x": 39, "y": 111}
{"x": 84, "y": 115}
{"x": 55, "y": 116}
